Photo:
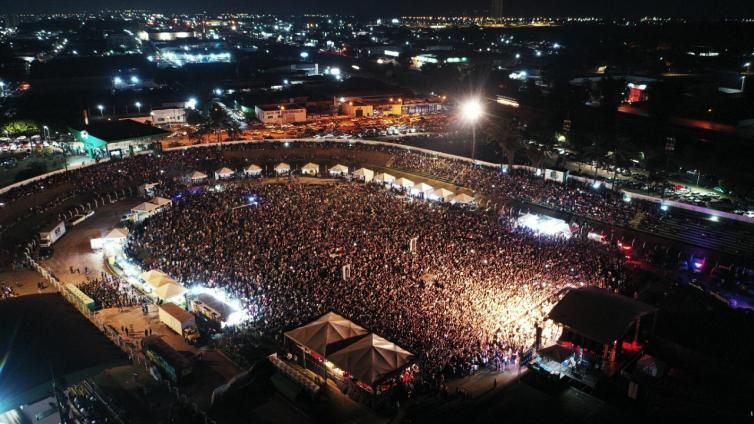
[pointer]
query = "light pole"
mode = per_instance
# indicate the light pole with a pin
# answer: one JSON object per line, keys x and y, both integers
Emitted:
{"x": 138, "y": 106}
{"x": 101, "y": 111}
{"x": 2, "y": 89}
{"x": 472, "y": 111}
{"x": 46, "y": 132}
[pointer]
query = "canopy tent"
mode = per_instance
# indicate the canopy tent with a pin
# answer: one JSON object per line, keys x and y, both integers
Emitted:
{"x": 329, "y": 328}
{"x": 117, "y": 233}
{"x": 441, "y": 194}
{"x": 384, "y": 178}
{"x": 462, "y": 198}
{"x": 198, "y": 176}
{"x": 156, "y": 278}
{"x": 169, "y": 290}
{"x": 339, "y": 170}
{"x": 144, "y": 208}
{"x": 404, "y": 183}
{"x": 282, "y": 168}
{"x": 253, "y": 170}
{"x": 147, "y": 189}
{"x": 224, "y": 173}
{"x": 364, "y": 174}
{"x": 116, "y": 236}
{"x": 161, "y": 201}
{"x": 310, "y": 169}
{"x": 371, "y": 359}
{"x": 422, "y": 188}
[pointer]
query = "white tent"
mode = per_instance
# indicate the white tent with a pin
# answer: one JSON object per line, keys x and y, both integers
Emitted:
{"x": 144, "y": 208}
{"x": 364, "y": 174}
{"x": 421, "y": 188}
{"x": 404, "y": 183}
{"x": 161, "y": 201}
{"x": 169, "y": 290}
{"x": 545, "y": 225}
{"x": 198, "y": 176}
{"x": 371, "y": 358}
{"x": 441, "y": 194}
{"x": 147, "y": 189}
{"x": 282, "y": 168}
{"x": 156, "y": 278}
{"x": 463, "y": 199}
{"x": 115, "y": 237}
{"x": 253, "y": 170}
{"x": 310, "y": 169}
{"x": 339, "y": 170}
{"x": 384, "y": 178}
{"x": 223, "y": 173}
{"x": 327, "y": 329}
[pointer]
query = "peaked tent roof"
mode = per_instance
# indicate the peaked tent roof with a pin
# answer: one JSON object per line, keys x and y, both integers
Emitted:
{"x": 169, "y": 290}
{"x": 339, "y": 168}
{"x": 156, "y": 278}
{"x": 282, "y": 166}
{"x": 384, "y": 178}
{"x": 598, "y": 314}
{"x": 144, "y": 207}
{"x": 371, "y": 358}
{"x": 404, "y": 182}
{"x": 196, "y": 175}
{"x": 363, "y": 172}
{"x": 423, "y": 187}
{"x": 463, "y": 198}
{"x": 117, "y": 233}
{"x": 442, "y": 193}
{"x": 327, "y": 329}
{"x": 225, "y": 171}
{"x": 311, "y": 165}
{"x": 253, "y": 168}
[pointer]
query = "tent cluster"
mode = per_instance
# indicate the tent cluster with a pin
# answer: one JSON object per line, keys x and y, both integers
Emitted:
{"x": 367, "y": 357}
{"x": 161, "y": 285}
{"x": 150, "y": 207}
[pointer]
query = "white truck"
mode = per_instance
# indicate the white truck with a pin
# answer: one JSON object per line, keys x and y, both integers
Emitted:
{"x": 50, "y": 234}
{"x": 180, "y": 321}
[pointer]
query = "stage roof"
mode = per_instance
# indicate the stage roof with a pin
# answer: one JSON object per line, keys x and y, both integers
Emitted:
{"x": 598, "y": 314}
{"x": 329, "y": 328}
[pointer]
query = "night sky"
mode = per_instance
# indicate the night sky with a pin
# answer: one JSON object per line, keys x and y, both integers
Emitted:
{"x": 689, "y": 8}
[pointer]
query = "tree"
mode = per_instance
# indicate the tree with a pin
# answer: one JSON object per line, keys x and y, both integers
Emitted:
{"x": 504, "y": 132}
{"x": 21, "y": 127}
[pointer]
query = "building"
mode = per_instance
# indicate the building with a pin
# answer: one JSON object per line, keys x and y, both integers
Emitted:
{"x": 116, "y": 138}
{"x": 280, "y": 114}
{"x": 168, "y": 116}
{"x": 367, "y": 107}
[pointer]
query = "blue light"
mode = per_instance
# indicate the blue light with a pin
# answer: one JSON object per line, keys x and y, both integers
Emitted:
{"x": 118, "y": 80}
{"x": 134, "y": 79}
{"x": 304, "y": 55}
{"x": 664, "y": 208}
{"x": 596, "y": 185}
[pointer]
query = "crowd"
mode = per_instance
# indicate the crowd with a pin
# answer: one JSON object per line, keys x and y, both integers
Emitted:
{"x": 110, "y": 292}
{"x": 469, "y": 296}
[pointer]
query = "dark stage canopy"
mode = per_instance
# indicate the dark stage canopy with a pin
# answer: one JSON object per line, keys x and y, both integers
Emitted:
{"x": 598, "y": 314}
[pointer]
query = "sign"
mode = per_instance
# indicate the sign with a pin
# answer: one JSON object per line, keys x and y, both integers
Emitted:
{"x": 559, "y": 176}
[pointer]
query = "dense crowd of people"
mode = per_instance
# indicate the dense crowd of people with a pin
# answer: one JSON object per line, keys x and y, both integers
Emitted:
{"x": 469, "y": 296}
{"x": 108, "y": 291}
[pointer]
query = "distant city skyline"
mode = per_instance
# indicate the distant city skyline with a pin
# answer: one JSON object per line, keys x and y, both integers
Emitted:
{"x": 671, "y": 8}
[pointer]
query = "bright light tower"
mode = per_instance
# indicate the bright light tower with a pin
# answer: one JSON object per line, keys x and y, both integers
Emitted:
{"x": 138, "y": 106}
{"x": 472, "y": 111}
{"x": 46, "y": 131}
{"x": 101, "y": 111}
{"x": 191, "y": 103}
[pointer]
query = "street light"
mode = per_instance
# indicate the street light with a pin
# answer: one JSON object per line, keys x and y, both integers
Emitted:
{"x": 471, "y": 112}
{"x": 138, "y": 106}
{"x": 46, "y": 132}
{"x": 191, "y": 103}
{"x": 101, "y": 111}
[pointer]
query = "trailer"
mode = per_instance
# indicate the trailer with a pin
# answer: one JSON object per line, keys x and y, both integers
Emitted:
{"x": 171, "y": 363}
{"x": 180, "y": 321}
{"x": 50, "y": 234}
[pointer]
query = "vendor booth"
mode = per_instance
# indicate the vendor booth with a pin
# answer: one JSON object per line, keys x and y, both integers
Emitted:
{"x": 384, "y": 178}
{"x": 282, "y": 168}
{"x": 310, "y": 169}
{"x": 224, "y": 173}
{"x": 338, "y": 170}
{"x": 253, "y": 170}
{"x": 364, "y": 174}
{"x": 441, "y": 194}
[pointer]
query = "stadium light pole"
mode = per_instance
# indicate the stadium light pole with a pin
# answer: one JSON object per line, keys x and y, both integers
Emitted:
{"x": 138, "y": 106}
{"x": 472, "y": 111}
{"x": 101, "y": 111}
